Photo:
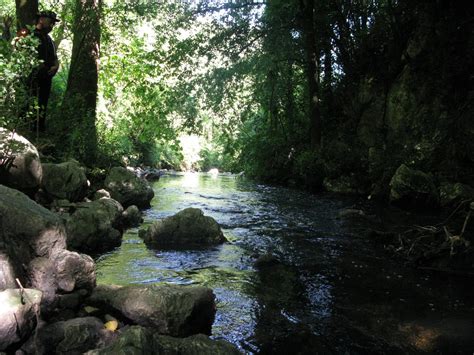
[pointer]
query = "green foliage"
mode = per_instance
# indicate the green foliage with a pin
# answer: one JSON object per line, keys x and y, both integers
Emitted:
{"x": 16, "y": 64}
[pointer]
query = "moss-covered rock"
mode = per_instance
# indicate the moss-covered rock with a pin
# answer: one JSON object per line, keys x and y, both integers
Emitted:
{"x": 188, "y": 228}
{"x": 411, "y": 188}
{"x": 128, "y": 189}
{"x": 137, "y": 340}
{"x": 94, "y": 226}
{"x": 64, "y": 181}
{"x": 452, "y": 194}
{"x": 169, "y": 309}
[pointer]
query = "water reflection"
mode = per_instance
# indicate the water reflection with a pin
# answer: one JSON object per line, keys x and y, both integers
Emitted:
{"x": 327, "y": 292}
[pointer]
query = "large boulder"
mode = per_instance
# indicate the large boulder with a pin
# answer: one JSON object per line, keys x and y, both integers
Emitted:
{"x": 169, "y": 309}
{"x": 65, "y": 181}
{"x": 128, "y": 189}
{"x": 188, "y": 228}
{"x": 411, "y": 188}
{"x": 95, "y": 226}
{"x": 138, "y": 340}
{"x": 26, "y": 171}
{"x": 29, "y": 230}
{"x": 18, "y": 315}
{"x": 32, "y": 249}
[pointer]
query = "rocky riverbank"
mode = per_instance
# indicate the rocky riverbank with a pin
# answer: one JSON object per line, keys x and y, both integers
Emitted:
{"x": 49, "y": 218}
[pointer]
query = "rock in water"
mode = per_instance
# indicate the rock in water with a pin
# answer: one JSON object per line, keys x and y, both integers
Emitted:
{"x": 188, "y": 228}
{"x": 128, "y": 189}
{"x": 138, "y": 340}
{"x": 64, "y": 181}
{"x": 17, "y": 315}
{"x": 411, "y": 188}
{"x": 169, "y": 309}
{"x": 26, "y": 171}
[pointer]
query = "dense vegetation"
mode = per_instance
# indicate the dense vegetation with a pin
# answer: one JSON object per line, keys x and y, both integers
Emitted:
{"x": 321, "y": 93}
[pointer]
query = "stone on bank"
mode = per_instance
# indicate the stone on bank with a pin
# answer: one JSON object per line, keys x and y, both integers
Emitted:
{"x": 169, "y": 309}
{"x": 128, "y": 189}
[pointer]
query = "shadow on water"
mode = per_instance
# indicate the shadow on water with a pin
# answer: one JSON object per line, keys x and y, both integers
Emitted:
{"x": 327, "y": 289}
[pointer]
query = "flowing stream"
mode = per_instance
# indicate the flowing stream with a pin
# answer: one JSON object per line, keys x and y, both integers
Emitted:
{"x": 330, "y": 290}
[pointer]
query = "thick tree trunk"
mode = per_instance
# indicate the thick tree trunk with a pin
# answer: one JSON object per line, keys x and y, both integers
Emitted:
{"x": 26, "y": 11}
{"x": 81, "y": 93}
{"x": 312, "y": 61}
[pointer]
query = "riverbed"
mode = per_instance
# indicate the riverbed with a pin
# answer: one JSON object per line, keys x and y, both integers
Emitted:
{"x": 326, "y": 289}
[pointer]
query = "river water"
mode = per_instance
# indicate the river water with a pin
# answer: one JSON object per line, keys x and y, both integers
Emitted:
{"x": 328, "y": 290}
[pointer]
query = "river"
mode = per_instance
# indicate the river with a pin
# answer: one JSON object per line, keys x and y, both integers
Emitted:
{"x": 328, "y": 291}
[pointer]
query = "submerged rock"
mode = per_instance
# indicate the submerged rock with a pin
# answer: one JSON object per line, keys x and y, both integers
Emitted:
{"x": 139, "y": 340}
{"x": 411, "y": 188}
{"x": 65, "y": 181}
{"x": 25, "y": 172}
{"x": 169, "y": 309}
{"x": 128, "y": 189}
{"x": 93, "y": 227}
{"x": 188, "y": 228}
{"x": 18, "y": 315}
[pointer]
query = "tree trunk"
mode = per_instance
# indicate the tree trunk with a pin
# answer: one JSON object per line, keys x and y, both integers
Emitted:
{"x": 80, "y": 98}
{"x": 312, "y": 61}
{"x": 26, "y": 11}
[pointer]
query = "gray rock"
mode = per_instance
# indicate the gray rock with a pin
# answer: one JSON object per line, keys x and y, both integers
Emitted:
{"x": 74, "y": 336}
{"x": 74, "y": 271}
{"x": 64, "y": 181}
{"x": 138, "y": 340}
{"x": 29, "y": 230}
{"x": 125, "y": 187}
{"x": 26, "y": 171}
{"x": 187, "y": 228}
{"x": 169, "y": 309}
{"x": 91, "y": 228}
{"x": 131, "y": 217}
{"x": 411, "y": 188}
{"x": 7, "y": 274}
{"x": 18, "y": 314}
{"x": 42, "y": 276}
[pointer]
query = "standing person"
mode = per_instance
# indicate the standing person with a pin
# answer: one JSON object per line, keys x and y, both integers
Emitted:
{"x": 41, "y": 79}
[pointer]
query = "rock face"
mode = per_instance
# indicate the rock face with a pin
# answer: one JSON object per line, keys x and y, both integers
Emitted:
{"x": 187, "y": 228}
{"x": 26, "y": 171}
{"x": 138, "y": 340}
{"x": 64, "y": 181}
{"x": 94, "y": 226}
{"x": 33, "y": 249}
{"x": 413, "y": 188}
{"x": 169, "y": 309}
{"x": 18, "y": 315}
{"x": 125, "y": 187}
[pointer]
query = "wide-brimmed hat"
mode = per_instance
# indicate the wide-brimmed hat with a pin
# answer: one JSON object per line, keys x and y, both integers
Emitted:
{"x": 49, "y": 14}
